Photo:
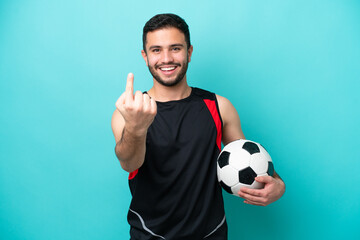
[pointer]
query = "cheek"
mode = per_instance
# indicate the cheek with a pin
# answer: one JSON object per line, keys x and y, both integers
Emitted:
{"x": 151, "y": 61}
{"x": 185, "y": 57}
{"x": 180, "y": 58}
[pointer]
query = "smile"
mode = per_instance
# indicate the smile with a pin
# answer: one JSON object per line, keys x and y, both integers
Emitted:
{"x": 167, "y": 68}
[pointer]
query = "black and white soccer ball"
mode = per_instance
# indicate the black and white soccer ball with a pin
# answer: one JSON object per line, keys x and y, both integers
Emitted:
{"x": 240, "y": 162}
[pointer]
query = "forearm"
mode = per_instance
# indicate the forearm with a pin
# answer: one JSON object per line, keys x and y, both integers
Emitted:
{"x": 277, "y": 176}
{"x": 282, "y": 183}
{"x": 130, "y": 150}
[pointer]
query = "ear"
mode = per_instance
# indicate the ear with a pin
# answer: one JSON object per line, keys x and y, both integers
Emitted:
{"x": 190, "y": 51}
{"x": 144, "y": 55}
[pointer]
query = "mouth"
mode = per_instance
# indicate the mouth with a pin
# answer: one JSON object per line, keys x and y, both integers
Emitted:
{"x": 167, "y": 70}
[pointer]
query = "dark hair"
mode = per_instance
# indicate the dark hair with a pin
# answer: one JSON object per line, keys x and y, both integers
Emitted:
{"x": 165, "y": 21}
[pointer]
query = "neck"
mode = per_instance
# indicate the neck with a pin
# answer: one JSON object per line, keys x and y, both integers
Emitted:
{"x": 163, "y": 93}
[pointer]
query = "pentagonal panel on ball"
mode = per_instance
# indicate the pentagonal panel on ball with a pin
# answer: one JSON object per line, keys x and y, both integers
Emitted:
{"x": 270, "y": 170}
{"x": 223, "y": 159}
{"x": 247, "y": 176}
{"x": 251, "y": 147}
{"x": 229, "y": 175}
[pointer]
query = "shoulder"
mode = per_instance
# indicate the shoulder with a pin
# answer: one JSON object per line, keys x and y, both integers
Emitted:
{"x": 202, "y": 93}
{"x": 205, "y": 94}
{"x": 231, "y": 120}
{"x": 225, "y": 106}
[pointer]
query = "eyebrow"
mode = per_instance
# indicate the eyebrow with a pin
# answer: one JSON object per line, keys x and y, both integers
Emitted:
{"x": 177, "y": 45}
{"x": 172, "y": 45}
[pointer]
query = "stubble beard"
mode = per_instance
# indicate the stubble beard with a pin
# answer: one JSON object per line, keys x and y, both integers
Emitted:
{"x": 177, "y": 79}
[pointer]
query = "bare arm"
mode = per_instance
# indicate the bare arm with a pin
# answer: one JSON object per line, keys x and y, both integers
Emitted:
{"x": 231, "y": 121}
{"x": 274, "y": 186}
{"x": 130, "y": 122}
{"x": 129, "y": 149}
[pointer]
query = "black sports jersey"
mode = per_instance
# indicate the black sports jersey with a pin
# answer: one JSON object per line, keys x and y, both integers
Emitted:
{"x": 175, "y": 193}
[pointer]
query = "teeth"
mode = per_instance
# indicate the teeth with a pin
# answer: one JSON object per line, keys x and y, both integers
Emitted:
{"x": 168, "y": 68}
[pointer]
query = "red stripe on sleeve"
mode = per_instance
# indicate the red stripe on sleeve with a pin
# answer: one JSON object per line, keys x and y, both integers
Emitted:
{"x": 211, "y": 105}
{"x": 133, "y": 174}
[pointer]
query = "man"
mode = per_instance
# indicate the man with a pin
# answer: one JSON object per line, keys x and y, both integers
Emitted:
{"x": 168, "y": 139}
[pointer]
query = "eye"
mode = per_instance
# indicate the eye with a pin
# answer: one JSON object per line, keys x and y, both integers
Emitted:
{"x": 176, "y": 49}
{"x": 156, "y": 50}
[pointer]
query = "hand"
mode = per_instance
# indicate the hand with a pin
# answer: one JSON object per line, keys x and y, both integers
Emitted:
{"x": 274, "y": 188}
{"x": 138, "y": 110}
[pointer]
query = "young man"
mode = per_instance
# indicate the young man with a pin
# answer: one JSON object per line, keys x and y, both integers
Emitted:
{"x": 169, "y": 138}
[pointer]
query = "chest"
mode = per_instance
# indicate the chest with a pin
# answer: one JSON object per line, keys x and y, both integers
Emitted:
{"x": 182, "y": 124}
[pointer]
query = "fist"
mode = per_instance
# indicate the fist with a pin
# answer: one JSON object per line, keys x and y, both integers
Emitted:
{"x": 138, "y": 110}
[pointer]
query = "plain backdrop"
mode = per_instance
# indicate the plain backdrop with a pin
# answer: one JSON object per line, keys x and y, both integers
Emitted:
{"x": 291, "y": 69}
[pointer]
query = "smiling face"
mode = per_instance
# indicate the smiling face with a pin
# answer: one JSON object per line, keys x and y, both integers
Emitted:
{"x": 167, "y": 55}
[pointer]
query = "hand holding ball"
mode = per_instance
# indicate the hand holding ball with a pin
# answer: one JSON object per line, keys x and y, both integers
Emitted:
{"x": 240, "y": 162}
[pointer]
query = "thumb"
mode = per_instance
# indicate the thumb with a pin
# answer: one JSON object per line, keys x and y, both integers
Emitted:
{"x": 264, "y": 179}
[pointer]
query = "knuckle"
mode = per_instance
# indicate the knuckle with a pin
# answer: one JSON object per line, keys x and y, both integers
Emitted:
{"x": 128, "y": 107}
{"x": 146, "y": 111}
{"x": 153, "y": 112}
{"x": 138, "y": 97}
{"x": 119, "y": 107}
{"x": 137, "y": 109}
{"x": 263, "y": 201}
{"x": 119, "y": 102}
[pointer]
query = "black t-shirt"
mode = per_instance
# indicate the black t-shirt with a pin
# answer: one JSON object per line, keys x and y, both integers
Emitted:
{"x": 175, "y": 193}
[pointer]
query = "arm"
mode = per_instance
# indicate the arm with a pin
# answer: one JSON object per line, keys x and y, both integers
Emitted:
{"x": 129, "y": 148}
{"x": 274, "y": 186}
{"x": 231, "y": 121}
{"x": 130, "y": 122}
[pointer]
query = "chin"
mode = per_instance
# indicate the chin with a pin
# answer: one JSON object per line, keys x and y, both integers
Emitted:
{"x": 168, "y": 83}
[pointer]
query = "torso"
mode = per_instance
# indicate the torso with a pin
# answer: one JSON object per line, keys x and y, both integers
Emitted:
{"x": 175, "y": 193}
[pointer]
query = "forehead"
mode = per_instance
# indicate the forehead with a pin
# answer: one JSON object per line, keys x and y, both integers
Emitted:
{"x": 165, "y": 37}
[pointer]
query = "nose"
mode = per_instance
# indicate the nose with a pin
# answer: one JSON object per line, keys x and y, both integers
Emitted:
{"x": 167, "y": 57}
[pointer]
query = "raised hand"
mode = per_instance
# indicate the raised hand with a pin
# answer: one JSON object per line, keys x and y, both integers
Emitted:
{"x": 138, "y": 110}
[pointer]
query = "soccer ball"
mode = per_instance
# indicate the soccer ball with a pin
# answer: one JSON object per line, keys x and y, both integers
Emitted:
{"x": 240, "y": 162}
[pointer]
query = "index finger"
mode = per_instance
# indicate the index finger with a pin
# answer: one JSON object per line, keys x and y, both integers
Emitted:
{"x": 254, "y": 192}
{"x": 130, "y": 83}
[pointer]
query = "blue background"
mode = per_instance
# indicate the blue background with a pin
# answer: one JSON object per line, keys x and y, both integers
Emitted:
{"x": 291, "y": 68}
